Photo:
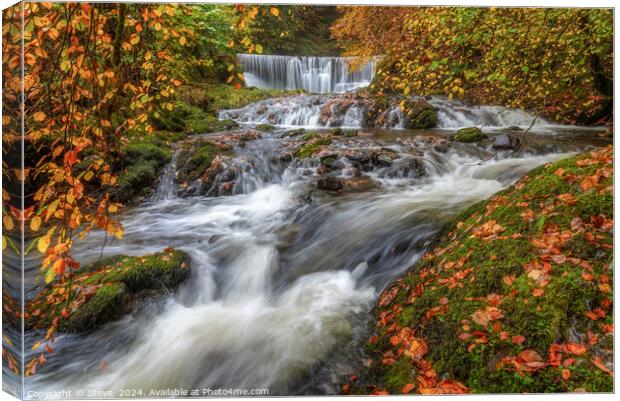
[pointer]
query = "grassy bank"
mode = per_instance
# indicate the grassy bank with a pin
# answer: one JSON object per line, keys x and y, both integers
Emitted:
{"x": 515, "y": 296}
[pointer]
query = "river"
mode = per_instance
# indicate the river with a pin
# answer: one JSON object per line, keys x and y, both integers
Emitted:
{"x": 284, "y": 276}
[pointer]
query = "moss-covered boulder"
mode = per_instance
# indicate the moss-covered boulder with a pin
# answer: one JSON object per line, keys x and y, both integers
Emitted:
{"x": 515, "y": 296}
{"x": 419, "y": 114}
{"x": 140, "y": 166}
{"x": 105, "y": 291}
{"x": 313, "y": 144}
{"x": 471, "y": 134}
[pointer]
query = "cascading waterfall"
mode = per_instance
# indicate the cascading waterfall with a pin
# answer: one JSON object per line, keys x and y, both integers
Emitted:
{"x": 347, "y": 111}
{"x": 313, "y": 74}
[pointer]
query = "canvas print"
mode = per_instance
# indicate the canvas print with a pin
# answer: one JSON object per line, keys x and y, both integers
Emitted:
{"x": 204, "y": 200}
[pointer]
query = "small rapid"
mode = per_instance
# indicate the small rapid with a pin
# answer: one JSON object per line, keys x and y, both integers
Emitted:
{"x": 283, "y": 277}
{"x": 349, "y": 111}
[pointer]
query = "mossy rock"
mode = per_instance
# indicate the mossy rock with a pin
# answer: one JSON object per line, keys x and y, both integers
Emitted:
{"x": 471, "y": 134}
{"x": 194, "y": 159}
{"x": 106, "y": 290}
{"x": 142, "y": 164}
{"x": 265, "y": 127}
{"x": 313, "y": 146}
{"x": 419, "y": 114}
{"x": 520, "y": 275}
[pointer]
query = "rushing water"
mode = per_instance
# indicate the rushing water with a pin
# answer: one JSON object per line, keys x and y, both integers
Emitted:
{"x": 313, "y": 74}
{"x": 318, "y": 111}
{"x": 283, "y": 276}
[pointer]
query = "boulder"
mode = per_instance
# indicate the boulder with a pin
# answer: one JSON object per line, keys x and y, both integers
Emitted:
{"x": 329, "y": 183}
{"x": 358, "y": 184}
{"x": 471, "y": 134}
{"x": 107, "y": 290}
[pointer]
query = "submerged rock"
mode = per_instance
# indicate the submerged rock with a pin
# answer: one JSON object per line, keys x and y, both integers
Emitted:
{"x": 471, "y": 134}
{"x": 107, "y": 290}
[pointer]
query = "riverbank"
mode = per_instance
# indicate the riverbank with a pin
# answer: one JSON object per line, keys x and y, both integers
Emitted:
{"x": 515, "y": 296}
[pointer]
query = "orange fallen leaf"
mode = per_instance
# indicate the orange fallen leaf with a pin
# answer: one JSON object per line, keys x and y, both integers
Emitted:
{"x": 598, "y": 362}
{"x": 407, "y": 388}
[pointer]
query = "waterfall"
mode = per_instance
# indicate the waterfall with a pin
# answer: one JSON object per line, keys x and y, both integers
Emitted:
{"x": 313, "y": 74}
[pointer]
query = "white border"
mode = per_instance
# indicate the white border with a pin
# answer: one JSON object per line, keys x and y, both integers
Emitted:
{"x": 499, "y": 3}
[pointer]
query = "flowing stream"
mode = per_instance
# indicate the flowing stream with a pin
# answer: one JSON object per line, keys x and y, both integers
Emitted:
{"x": 283, "y": 275}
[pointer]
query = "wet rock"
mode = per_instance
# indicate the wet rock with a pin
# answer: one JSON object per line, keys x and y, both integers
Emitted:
{"x": 358, "y": 184}
{"x": 358, "y": 155}
{"x": 506, "y": 142}
{"x": 385, "y": 157}
{"x": 109, "y": 289}
{"x": 329, "y": 183}
{"x": 407, "y": 167}
{"x": 419, "y": 114}
{"x": 384, "y": 160}
{"x": 471, "y": 134}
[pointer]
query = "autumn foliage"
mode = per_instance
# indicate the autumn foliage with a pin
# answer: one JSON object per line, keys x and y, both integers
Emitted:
{"x": 555, "y": 61}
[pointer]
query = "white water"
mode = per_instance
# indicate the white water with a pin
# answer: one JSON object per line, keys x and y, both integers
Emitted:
{"x": 277, "y": 284}
{"x": 313, "y": 74}
{"x": 314, "y": 111}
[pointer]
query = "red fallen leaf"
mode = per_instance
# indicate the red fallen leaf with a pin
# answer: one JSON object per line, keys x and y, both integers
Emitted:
{"x": 529, "y": 355}
{"x": 407, "y": 388}
{"x": 464, "y": 336}
{"x": 598, "y": 362}
{"x": 417, "y": 349}
{"x": 388, "y": 361}
{"x": 379, "y": 392}
{"x": 537, "y": 292}
{"x": 589, "y": 182}
{"x": 604, "y": 287}
{"x": 569, "y": 362}
{"x": 373, "y": 339}
{"x": 565, "y": 374}
{"x": 447, "y": 387}
{"x": 607, "y": 327}
{"x": 394, "y": 340}
{"x": 353, "y": 378}
{"x": 65, "y": 313}
{"x": 508, "y": 280}
{"x": 388, "y": 296}
{"x": 504, "y": 335}
{"x": 576, "y": 349}
{"x": 587, "y": 276}
{"x": 345, "y": 388}
{"x": 559, "y": 172}
{"x": 518, "y": 340}
{"x": 591, "y": 315}
{"x": 443, "y": 301}
{"x": 592, "y": 338}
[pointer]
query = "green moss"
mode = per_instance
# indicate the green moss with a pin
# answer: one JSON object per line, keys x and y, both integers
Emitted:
{"x": 466, "y": 270}
{"x": 195, "y": 159}
{"x": 106, "y": 290}
{"x": 313, "y": 146}
{"x": 109, "y": 302}
{"x": 471, "y": 134}
{"x": 265, "y": 127}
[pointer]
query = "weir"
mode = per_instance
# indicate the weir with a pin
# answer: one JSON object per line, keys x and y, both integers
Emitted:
{"x": 313, "y": 74}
